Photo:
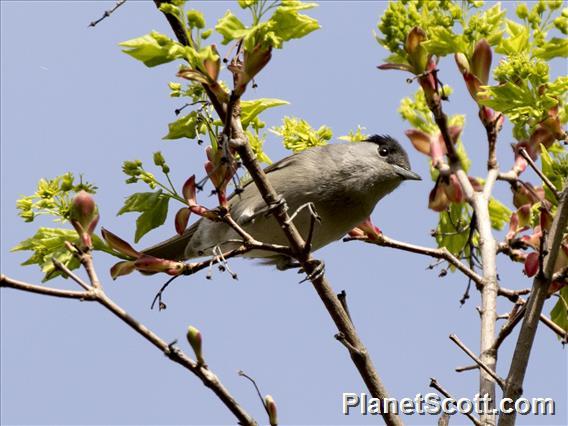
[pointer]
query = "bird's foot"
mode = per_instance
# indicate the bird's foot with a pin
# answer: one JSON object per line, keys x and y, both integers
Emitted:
{"x": 317, "y": 272}
{"x": 312, "y": 209}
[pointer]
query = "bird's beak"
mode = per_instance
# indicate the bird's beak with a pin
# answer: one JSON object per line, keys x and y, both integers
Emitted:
{"x": 406, "y": 174}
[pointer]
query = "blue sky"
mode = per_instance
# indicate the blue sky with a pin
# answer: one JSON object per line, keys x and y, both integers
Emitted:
{"x": 71, "y": 101}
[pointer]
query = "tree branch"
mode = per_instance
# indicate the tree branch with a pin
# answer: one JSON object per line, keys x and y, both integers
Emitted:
{"x": 487, "y": 244}
{"x": 439, "y": 253}
{"x": 107, "y": 13}
{"x": 477, "y": 360}
{"x": 97, "y": 294}
{"x": 539, "y": 293}
{"x": 539, "y": 172}
{"x": 46, "y": 291}
{"x": 435, "y": 385}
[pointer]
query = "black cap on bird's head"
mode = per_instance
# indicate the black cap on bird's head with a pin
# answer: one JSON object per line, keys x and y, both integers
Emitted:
{"x": 393, "y": 153}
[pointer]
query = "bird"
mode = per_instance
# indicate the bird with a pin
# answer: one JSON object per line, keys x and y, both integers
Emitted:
{"x": 342, "y": 181}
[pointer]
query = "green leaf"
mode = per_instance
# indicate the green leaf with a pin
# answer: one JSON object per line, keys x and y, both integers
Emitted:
{"x": 555, "y": 48}
{"x": 555, "y": 169}
{"x": 452, "y": 231}
{"x": 184, "y": 127}
{"x": 48, "y": 244}
{"x": 499, "y": 214}
{"x": 256, "y": 143}
{"x": 511, "y": 99}
{"x": 154, "y": 209}
{"x": 230, "y": 27}
{"x": 559, "y": 314}
{"x": 518, "y": 42}
{"x": 297, "y": 135}
{"x": 251, "y": 109}
{"x": 153, "y": 49}
{"x": 289, "y": 24}
{"x": 442, "y": 41}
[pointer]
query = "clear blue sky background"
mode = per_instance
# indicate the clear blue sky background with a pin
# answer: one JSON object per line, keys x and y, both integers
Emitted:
{"x": 71, "y": 101}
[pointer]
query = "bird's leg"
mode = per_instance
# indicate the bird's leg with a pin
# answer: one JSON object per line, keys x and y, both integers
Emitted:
{"x": 311, "y": 207}
{"x": 280, "y": 201}
{"x": 318, "y": 271}
{"x": 283, "y": 263}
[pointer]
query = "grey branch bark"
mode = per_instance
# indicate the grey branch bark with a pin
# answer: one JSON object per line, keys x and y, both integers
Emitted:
{"x": 539, "y": 293}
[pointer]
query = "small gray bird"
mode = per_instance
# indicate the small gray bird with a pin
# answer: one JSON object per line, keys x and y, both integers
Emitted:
{"x": 343, "y": 181}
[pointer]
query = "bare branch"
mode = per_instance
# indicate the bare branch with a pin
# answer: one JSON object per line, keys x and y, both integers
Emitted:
{"x": 246, "y": 376}
{"x": 537, "y": 170}
{"x": 70, "y": 274}
{"x": 107, "y": 13}
{"x": 478, "y": 361}
{"x": 46, "y": 291}
{"x": 519, "y": 363}
{"x": 440, "y": 253}
{"x": 342, "y": 296}
{"x": 435, "y": 385}
{"x": 209, "y": 379}
{"x": 562, "y": 334}
{"x": 466, "y": 368}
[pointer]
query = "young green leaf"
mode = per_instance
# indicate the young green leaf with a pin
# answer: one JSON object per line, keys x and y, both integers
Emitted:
{"x": 153, "y": 49}
{"x": 559, "y": 314}
{"x": 251, "y": 109}
{"x": 184, "y": 127}
{"x": 154, "y": 209}
{"x": 230, "y": 27}
{"x": 499, "y": 214}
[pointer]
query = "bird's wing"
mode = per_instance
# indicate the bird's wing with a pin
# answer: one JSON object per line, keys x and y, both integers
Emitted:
{"x": 245, "y": 206}
{"x": 174, "y": 247}
{"x": 255, "y": 205}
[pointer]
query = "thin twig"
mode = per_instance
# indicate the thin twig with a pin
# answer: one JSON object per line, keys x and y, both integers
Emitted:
{"x": 514, "y": 318}
{"x": 478, "y": 361}
{"x": 435, "y": 385}
{"x": 70, "y": 274}
{"x": 539, "y": 172}
{"x": 246, "y": 376}
{"x": 562, "y": 334}
{"x": 343, "y": 300}
{"x": 439, "y": 253}
{"x": 466, "y": 368}
{"x": 209, "y": 379}
{"x": 107, "y": 13}
{"x": 46, "y": 291}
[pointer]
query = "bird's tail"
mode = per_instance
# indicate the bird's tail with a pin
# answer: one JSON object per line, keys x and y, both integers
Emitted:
{"x": 173, "y": 248}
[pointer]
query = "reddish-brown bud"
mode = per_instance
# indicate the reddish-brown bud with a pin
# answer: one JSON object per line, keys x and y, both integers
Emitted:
{"x": 124, "y": 267}
{"x": 182, "y": 219}
{"x": 531, "y": 264}
{"x": 481, "y": 61}
{"x": 119, "y": 245}
{"x": 438, "y": 200}
{"x": 84, "y": 216}
{"x": 151, "y": 264}
{"x": 420, "y": 140}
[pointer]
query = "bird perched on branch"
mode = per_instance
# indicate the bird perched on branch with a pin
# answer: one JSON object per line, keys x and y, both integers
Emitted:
{"x": 343, "y": 182}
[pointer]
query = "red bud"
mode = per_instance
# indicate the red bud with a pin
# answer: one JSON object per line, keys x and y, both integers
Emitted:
{"x": 531, "y": 264}
{"x": 181, "y": 220}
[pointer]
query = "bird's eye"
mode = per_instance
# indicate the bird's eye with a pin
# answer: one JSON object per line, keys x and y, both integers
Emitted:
{"x": 383, "y": 152}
